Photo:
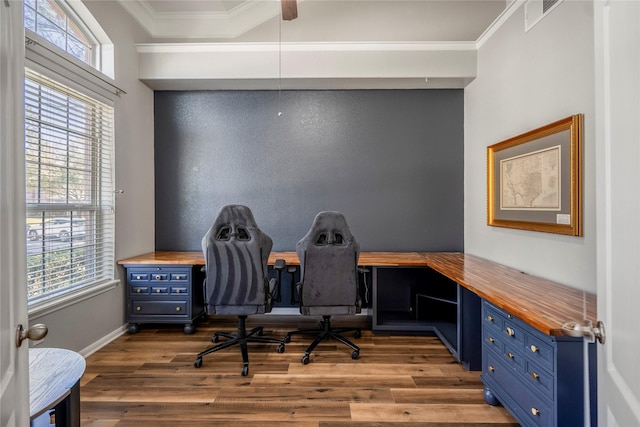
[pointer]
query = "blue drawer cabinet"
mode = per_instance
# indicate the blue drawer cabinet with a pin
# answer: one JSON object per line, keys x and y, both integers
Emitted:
{"x": 164, "y": 294}
{"x": 537, "y": 377}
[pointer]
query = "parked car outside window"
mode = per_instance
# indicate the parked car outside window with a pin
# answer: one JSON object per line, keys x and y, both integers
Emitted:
{"x": 57, "y": 228}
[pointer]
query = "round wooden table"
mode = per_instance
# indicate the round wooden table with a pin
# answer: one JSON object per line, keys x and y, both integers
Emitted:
{"x": 54, "y": 383}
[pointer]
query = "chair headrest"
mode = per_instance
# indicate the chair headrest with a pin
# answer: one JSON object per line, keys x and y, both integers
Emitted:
{"x": 234, "y": 220}
{"x": 328, "y": 228}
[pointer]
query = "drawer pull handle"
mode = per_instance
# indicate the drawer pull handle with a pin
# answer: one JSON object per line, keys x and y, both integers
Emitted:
{"x": 177, "y": 291}
{"x": 491, "y": 368}
{"x": 158, "y": 277}
{"x": 178, "y": 308}
{"x": 138, "y": 308}
{"x": 510, "y": 355}
{"x": 535, "y": 412}
{"x": 510, "y": 332}
{"x": 178, "y": 277}
{"x": 491, "y": 340}
{"x": 138, "y": 290}
{"x": 534, "y": 349}
{"x": 158, "y": 291}
{"x": 490, "y": 318}
{"x": 509, "y": 316}
{"x": 535, "y": 376}
{"x": 138, "y": 277}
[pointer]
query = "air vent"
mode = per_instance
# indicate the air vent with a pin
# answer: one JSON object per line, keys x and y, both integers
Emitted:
{"x": 535, "y": 10}
{"x": 548, "y": 4}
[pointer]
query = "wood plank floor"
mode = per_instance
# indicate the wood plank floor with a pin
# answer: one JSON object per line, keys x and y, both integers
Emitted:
{"x": 148, "y": 379}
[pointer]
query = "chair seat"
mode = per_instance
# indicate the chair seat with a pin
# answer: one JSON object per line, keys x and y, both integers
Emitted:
{"x": 237, "y": 310}
{"x": 329, "y": 310}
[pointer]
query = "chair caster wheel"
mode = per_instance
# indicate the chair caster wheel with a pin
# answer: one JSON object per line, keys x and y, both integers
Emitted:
{"x": 215, "y": 339}
{"x": 358, "y": 334}
{"x": 355, "y": 354}
{"x": 305, "y": 359}
{"x": 287, "y": 339}
{"x": 198, "y": 363}
{"x": 259, "y": 333}
{"x": 245, "y": 371}
{"x": 281, "y": 348}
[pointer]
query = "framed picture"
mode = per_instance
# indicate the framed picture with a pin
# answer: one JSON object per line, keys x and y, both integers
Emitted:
{"x": 534, "y": 180}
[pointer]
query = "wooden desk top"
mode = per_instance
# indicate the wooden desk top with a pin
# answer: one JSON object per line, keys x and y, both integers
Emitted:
{"x": 52, "y": 374}
{"x": 543, "y": 304}
{"x": 369, "y": 259}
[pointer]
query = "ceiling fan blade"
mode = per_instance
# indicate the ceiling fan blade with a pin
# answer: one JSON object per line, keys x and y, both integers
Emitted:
{"x": 289, "y": 9}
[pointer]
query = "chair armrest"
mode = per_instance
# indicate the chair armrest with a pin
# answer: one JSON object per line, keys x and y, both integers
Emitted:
{"x": 278, "y": 266}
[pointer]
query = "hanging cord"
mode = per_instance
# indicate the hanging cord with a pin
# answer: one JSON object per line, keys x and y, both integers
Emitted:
{"x": 280, "y": 64}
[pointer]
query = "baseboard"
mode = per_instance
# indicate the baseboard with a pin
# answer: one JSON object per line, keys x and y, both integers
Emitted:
{"x": 89, "y": 350}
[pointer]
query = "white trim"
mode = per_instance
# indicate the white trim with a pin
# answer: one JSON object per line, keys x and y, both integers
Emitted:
{"x": 92, "y": 348}
{"x": 499, "y": 22}
{"x": 304, "y": 47}
{"x": 104, "y": 50}
{"x": 53, "y": 304}
{"x": 230, "y": 24}
{"x": 52, "y": 59}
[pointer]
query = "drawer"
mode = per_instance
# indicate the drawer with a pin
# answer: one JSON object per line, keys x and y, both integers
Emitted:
{"x": 160, "y": 308}
{"x": 138, "y": 276}
{"x": 179, "y": 277}
{"x": 514, "y": 359}
{"x": 514, "y": 332}
{"x": 159, "y": 276}
{"x": 491, "y": 338}
{"x": 179, "y": 290}
{"x": 539, "y": 351}
{"x": 540, "y": 379}
{"x": 531, "y": 409}
{"x": 492, "y": 317}
{"x": 159, "y": 290}
{"x": 139, "y": 290}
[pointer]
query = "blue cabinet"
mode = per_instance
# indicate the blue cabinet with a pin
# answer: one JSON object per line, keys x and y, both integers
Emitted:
{"x": 164, "y": 294}
{"x": 421, "y": 300}
{"x": 537, "y": 377}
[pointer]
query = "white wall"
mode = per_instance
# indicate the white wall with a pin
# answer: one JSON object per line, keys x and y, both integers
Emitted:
{"x": 524, "y": 81}
{"x": 85, "y": 323}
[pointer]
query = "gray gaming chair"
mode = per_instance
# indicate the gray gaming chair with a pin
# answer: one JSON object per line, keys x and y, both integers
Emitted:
{"x": 328, "y": 285}
{"x": 236, "y": 253}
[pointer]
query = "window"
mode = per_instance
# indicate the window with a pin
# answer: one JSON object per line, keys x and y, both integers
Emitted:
{"x": 70, "y": 219}
{"x": 69, "y": 117}
{"x": 48, "y": 19}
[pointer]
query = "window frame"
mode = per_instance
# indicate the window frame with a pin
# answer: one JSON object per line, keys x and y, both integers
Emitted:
{"x": 58, "y": 65}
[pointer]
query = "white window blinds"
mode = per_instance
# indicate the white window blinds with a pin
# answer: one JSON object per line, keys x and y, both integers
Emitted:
{"x": 69, "y": 184}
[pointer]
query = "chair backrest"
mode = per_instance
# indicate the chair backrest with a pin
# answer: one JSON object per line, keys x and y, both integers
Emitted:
{"x": 236, "y": 252}
{"x": 328, "y": 256}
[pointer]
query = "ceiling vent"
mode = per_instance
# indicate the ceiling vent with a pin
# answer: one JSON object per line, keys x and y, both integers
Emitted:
{"x": 535, "y": 10}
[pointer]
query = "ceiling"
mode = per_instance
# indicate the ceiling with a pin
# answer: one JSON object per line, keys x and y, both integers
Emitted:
{"x": 378, "y": 36}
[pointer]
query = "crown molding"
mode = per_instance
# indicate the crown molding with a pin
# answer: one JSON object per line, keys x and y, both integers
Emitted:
{"x": 304, "y": 47}
{"x": 230, "y": 24}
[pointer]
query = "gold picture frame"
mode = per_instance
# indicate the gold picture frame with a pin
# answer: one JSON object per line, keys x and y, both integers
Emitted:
{"x": 534, "y": 180}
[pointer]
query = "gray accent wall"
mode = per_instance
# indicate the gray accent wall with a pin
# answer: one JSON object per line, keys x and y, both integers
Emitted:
{"x": 391, "y": 161}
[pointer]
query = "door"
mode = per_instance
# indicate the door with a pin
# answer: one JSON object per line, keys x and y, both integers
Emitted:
{"x": 617, "y": 100}
{"x": 14, "y": 384}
